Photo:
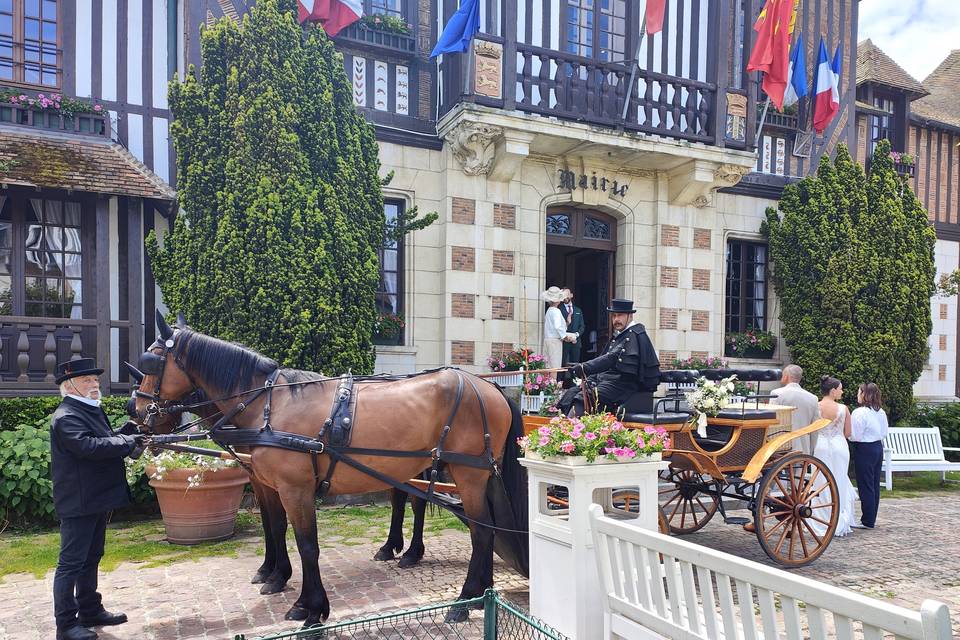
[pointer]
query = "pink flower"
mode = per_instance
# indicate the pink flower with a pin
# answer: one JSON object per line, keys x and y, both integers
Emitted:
{"x": 544, "y": 430}
{"x": 567, "y": 447}
{"x": 590, "y": 435}
{"x": 630, "y": 453}
{"x": 544, "y": 441}
{"x": 524, "y": 442}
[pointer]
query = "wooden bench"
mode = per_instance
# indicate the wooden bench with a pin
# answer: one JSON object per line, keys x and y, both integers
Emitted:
{"x": 657, "y": 586}
{"x": 915, "y": 449}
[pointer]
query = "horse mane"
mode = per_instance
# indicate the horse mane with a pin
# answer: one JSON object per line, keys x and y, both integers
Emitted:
{"x": 226, "y": 366}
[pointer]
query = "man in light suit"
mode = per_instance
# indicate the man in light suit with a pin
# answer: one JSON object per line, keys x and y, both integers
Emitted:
{"x": 574, "y": 318}
{"x": 807, "y": 407}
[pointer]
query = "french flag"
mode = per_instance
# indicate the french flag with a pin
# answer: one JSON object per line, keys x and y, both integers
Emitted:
{"x": 333, "y": 15}
{"x": 827, "y": 97}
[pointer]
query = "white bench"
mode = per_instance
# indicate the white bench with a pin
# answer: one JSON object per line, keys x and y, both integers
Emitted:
{"x": 655, "y": 588}
{"x": 915, "y": 449}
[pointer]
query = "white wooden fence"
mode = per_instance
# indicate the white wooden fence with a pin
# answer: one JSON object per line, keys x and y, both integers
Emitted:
{"x": 659, "y": 586}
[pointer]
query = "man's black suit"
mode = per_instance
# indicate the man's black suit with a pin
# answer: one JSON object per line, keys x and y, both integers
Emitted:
{"x": 571, "y": 350}
{"x": 629, "y": 364}
{"x": 89, "y": 481}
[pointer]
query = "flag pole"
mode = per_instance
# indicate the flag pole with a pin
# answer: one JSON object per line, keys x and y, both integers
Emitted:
{"x": 636, "y": 65}
{"x": 763, "y": 118}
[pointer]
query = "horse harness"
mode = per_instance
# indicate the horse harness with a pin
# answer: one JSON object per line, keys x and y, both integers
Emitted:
{"x": 333, "y": 438}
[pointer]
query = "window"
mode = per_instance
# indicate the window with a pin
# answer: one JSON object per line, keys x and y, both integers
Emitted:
{"x": 746, "y": 290}
{"x": 29, "y": 42}
{"x": 41, "y": 257}
{"x": 597, "y": 28}
{"x": 881, "y": 127}
{"x": 385, "y": 7}
{"x": 390, "y": 290}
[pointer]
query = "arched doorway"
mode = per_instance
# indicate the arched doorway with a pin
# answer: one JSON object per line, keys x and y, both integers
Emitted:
{"x": 581, "y": 252}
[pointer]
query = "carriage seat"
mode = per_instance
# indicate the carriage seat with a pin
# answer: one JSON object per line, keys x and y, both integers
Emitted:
{"x": 744, "y": 413}
{"x": 661, "y": 418}
{"x": 679, "y": 376}
{"x": 743, "y": 375}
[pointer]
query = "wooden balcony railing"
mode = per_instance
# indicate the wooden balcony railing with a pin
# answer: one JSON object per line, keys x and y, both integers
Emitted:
{"x": 31, "y": 347}
{"x": 363, "y": 37}
{"x": 91, "y": 124}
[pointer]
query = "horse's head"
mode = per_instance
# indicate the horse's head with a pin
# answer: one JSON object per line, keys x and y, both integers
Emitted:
{"x": 163, "y": 381}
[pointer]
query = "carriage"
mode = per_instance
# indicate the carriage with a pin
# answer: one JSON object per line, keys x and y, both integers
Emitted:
{"x": 747, "y": 458}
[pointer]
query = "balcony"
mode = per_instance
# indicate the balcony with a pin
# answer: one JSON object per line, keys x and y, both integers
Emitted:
{"x": 88, "y": 124}
{"x": 361, "y": 36}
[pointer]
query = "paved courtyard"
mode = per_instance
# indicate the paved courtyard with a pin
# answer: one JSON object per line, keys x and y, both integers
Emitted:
{"x": 913, "y": 554}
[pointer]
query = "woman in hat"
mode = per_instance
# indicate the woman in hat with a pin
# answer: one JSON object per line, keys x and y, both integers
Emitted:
{"x": 554, "y": 327}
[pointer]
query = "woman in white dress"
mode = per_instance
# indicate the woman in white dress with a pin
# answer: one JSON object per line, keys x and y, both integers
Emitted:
{"x": 832, "y": 450}
{"x": 554, "y": 328}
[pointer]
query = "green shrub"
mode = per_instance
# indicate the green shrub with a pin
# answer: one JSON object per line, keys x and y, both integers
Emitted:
{"x": 946, "y": 417}
{"x": 26, "y": 497}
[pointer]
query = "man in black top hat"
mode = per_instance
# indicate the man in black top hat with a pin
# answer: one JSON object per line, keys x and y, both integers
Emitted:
{"x": 627, "y": 366}
{"x": 89, "y": 481}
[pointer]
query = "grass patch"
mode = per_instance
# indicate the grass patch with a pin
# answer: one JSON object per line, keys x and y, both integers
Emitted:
{"x": 921, "y": 483}
{"x": 143, "y": 542}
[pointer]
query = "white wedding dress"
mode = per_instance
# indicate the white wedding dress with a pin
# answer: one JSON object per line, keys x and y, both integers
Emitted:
{"x": 832, "y": 450}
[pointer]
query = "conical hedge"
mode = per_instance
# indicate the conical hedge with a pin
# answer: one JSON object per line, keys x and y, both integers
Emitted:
{"x": 281, "y": 212}
{"x": 853, "y": 266}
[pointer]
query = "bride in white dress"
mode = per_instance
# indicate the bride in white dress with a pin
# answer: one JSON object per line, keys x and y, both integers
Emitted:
{"x": 832, "y": 449}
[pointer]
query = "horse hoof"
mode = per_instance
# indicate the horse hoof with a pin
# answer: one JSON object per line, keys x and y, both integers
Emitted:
{"x": 297, "y": 613}
{"x": 409, "y": 561}
{"x": 269, "y": 588}
{"x": 260, "y": 577}
{"x": 385, "y": 553}
{"x": 457, "y": 615}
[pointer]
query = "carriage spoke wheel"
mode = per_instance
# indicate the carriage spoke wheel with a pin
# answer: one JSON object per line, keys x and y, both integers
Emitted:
{"x": 686, "y": 508}
{"x": 796, "y": 509}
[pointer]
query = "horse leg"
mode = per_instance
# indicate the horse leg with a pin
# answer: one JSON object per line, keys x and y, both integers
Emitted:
{"x": 473, "y": 493}
{"x": 414, "y": 553}
{"x": 394, "y": 543}
{"x": 269, "y": 555}
{"x": 280, "y": 571}
{"x": 312, "y": 606}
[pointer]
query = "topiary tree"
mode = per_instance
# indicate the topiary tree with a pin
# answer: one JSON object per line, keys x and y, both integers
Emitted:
{"x": 281, "y": 211}
{"x": 852, "y": 258}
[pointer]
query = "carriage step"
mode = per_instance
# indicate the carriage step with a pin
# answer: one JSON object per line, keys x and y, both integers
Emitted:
{"x": 737, "y": 520}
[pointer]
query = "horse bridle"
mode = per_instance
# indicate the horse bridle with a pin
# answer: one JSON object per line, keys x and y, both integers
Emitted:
{"x": 153, "y": 364}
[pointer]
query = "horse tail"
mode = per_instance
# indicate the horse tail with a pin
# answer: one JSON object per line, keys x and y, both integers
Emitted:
{"x": 507, "y": 497}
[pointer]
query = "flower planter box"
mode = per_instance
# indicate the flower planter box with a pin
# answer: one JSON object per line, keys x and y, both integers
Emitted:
{"x": 199, "y": 514}
{"x": 751, "y": 352}
{"x": 904, "y": 169}
{"x": 387, "y": 340}
{"x": 579, "y": 461}
{"x": 531, "y": 404}
{"x": 365, "y": 37}
{"x": 508, "y": 378}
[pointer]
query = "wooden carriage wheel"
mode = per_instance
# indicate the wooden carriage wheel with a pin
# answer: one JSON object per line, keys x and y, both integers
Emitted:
{"x": 629, "y": 500}
{"x": 796, "y": 509}
{"x": 685, "y": 506}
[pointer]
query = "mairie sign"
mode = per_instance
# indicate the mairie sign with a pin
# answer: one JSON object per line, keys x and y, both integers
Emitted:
{"x": 571, "y": 180}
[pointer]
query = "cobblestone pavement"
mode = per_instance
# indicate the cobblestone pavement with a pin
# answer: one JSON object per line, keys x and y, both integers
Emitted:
{"x": 913, "y": 554}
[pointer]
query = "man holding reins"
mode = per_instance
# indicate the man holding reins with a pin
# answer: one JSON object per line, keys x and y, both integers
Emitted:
{"x": 627, "y": 366}
{"x": 89, "y": 481}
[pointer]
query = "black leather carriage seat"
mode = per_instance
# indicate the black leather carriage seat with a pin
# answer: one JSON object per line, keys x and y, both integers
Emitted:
{"x": 679, "y": 376}
{"x": 661, "y": 418}
{"x": 743, "y": 375}
{"x": 745, "y": 413}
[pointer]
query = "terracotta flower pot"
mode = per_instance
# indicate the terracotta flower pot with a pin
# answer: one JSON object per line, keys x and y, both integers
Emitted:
{"x": 199, "y": 514}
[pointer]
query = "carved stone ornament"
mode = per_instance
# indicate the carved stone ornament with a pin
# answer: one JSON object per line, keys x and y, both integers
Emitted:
{"x": 488, "y": 49}
{"x": 473, "y": 146}
{"x": 729, "y": 174}
{"x": 701, "y": 201}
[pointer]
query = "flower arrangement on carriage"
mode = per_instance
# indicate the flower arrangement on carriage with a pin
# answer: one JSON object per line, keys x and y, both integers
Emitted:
{"x": 709, "y": 398}
{"x": 592, "y": 436}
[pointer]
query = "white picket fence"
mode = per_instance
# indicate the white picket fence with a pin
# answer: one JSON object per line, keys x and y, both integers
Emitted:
{"x": 659, "y": 586}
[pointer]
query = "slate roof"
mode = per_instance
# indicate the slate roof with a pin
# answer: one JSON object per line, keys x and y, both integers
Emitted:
{"x": 944, "y": 92}
{"x": 79, "y": 163}
{"x": 873, "y": 65}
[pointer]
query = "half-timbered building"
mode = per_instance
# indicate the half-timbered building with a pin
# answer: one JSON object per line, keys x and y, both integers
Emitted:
{"x": 80, "y": 190}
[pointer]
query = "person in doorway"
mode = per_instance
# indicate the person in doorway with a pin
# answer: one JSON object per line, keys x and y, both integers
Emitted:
{"x": 868, "y": 428}
{"x": 573, "y": 315}
{"x": 89, "y": 481}
{"x": 554, "y": 328}
{"x": 628, "y": 365}
{"x": 805, "y": 404}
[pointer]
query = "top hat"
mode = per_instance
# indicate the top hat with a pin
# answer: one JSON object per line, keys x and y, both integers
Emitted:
{"x": 621, "y": 305}
{"x": 553, "y": 294}
{"x": 77, "y": 368}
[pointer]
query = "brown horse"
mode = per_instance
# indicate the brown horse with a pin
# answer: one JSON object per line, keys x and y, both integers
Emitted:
{"x": 275, "y": 570}
{"x": 404, "y": 415}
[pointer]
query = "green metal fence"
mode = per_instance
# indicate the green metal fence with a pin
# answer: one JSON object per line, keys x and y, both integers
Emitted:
{"x": 501, "y": 620}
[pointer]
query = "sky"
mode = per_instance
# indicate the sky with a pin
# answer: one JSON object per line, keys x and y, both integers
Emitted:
{"x": 917, "y": 34}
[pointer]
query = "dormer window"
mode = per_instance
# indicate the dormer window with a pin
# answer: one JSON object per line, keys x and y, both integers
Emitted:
{"x": 886, "y": 126}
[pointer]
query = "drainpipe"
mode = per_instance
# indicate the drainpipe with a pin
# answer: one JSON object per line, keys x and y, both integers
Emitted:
{"x": 172, "y": 43}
